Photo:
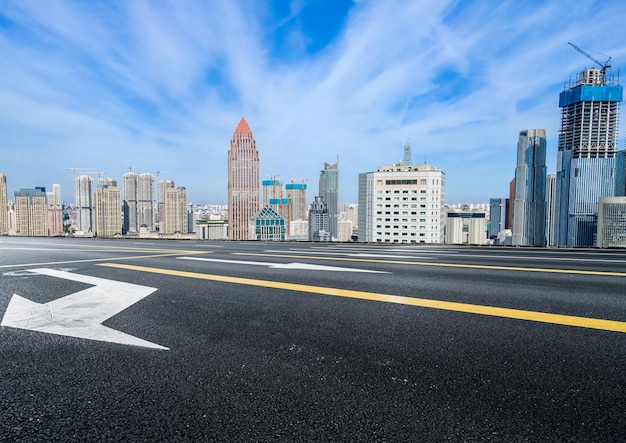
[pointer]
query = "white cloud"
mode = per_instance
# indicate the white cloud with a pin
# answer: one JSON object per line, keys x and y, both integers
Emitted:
{"x": 161, "y": 86}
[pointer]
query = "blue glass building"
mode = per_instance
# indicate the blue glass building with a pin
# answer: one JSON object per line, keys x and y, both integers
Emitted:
{"x": 529, "y": 206}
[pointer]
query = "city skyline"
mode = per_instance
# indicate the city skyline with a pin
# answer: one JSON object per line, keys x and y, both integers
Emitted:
{"x": 355, "y": 84}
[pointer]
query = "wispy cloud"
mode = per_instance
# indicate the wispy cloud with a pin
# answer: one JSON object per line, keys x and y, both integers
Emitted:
{"x": 162, "y": 85}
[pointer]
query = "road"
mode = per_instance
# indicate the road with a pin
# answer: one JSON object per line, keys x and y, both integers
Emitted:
{"x": 247, "y": 341}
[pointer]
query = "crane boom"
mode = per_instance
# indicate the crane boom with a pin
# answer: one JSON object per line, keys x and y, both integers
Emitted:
{"x": 603, "y": 66}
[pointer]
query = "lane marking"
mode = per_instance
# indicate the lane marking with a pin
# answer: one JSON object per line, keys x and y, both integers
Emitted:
{"x": 361, "y": 254}
{"x": 435, "y": 254}
{"x": 89, "y": 260}
{"x": 444, "y": 265}
{"x": 517, "y": 314}
{"x": 300, "y": 266}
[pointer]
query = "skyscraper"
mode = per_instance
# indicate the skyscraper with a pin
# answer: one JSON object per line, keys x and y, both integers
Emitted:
{"x": 108, "y": 211}
{"x": 498, "y": 216}
{"x": 4, "y": 209}
{"x": 138, "y": 201}
{"x": 586, "y": 154}
{"x": 329, "y": 190}
{"x": 145, "y": 200}
{"x": 529, "y": 207}
{"x": 296, "y": 193}
{"x": 550, "y": 206}
{"x": 129, "y": 181}
{"x": 174, "y": 211}
{"x": 243, "y": 181}
{"x": 31, "y": 212}
{"x": 161, "y": 187}
{"x": 83, "y": 199}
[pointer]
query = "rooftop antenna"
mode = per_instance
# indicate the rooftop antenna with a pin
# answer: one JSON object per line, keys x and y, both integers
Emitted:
{"x": 407, "y": 159}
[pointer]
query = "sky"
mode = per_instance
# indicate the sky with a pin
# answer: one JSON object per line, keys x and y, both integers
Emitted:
{"x": 161, "y": 85}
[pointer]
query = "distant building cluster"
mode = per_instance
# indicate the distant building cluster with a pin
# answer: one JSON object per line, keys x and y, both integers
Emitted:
{"x": 102, "y": 210}
{"x": 582, "y": 204}
{"x": 284, "y": 212}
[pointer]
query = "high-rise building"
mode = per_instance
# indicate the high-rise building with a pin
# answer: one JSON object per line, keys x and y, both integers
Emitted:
{"x": 550, "y": 206}
{"x": 402, "y": 204}
{"x": 498, "y": 216}
{"x": 175, "y": 211}
{"x": 108, "y": 181}
{"x": 273, "y": 198}
{"x": 329, "y": 191}
{"x": 4, "y": 209}
{"x": 108, "y": 210}
{"x": 161, "y": 187}
{"x": 296, "y": 193}
{"x": 145, "y": 200}
{"x": 129, "y": 181}
{"x": 243, "y": 181}
{"x": 83, "y": 200}
{"x": 54, "y": 197}
{"x": 319, "y": 221}
{"x": 138, "y": 201}
{"x": 272, "y": 190}
{"x": 31, "y": 212}
{"x": 511, "y": 203}
{"x": 529, "y": 207}
{"x": 55, "y": 218}
{"x": 586, "y": 154}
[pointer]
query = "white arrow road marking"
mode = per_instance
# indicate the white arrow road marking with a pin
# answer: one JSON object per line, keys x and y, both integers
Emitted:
{"x": 80, "y": 314}
{"x": 304, "y": 266}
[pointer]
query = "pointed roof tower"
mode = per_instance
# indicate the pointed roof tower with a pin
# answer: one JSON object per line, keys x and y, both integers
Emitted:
{"x": 242, "y": 127}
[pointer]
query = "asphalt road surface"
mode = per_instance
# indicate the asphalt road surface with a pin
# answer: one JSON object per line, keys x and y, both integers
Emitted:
{"x": 227, "y": 341}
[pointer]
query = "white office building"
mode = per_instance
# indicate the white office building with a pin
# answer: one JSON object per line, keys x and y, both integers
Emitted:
{"x": 402, "y": 204}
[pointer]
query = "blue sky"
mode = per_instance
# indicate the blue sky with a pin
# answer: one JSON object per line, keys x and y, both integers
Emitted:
{"x": 161, "y": 85}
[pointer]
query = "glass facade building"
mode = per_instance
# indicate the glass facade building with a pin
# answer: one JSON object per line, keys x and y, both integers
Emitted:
{"x": 329, "y": 191}
{"x": 586, "y": 162}
{"x": 529, "y": 206}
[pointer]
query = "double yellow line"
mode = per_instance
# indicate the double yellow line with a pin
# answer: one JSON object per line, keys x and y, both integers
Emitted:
{"x": 542, "y": 317}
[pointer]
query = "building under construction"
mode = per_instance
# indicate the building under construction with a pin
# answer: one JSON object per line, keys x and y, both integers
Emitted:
{"x": 586, "y": 152}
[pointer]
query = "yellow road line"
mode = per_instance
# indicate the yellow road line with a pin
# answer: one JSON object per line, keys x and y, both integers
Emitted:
{"x": 543, "y": 317}
{"x": 87, "y": 260}
{"x": 444, "y": 265}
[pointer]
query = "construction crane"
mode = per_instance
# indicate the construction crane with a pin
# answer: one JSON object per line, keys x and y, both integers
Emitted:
{"x": 98, "y": 174}
{"x": 603, "y": 66}
{"x": 80, "y": 170}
